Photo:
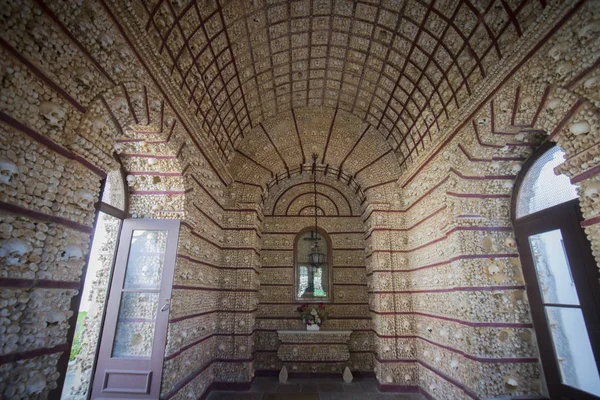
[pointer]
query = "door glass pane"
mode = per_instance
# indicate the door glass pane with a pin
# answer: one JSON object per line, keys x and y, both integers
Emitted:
{"x": 135, "y": 326}
{"x": 552, "y": 267}
{"x": 573, "y": 350}
{"x": 146, "y": 258}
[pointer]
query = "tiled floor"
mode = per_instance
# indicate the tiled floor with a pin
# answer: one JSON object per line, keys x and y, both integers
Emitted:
{"x": 312, "y": 389}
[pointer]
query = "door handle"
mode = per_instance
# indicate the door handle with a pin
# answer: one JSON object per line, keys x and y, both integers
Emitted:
{"x": 166, "y": 306}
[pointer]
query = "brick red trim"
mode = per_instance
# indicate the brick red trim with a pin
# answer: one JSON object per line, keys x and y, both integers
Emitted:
{"x": 473, "y": 324}
{"x": 39, "y": 283}
{"x": 39, "y": 138}
{"x": 26, "y": 355}
{"x": 43, "y": 77}
{"x": 12, "y": 208}
{"x": 437, "y": 264}
{"x": 466, "y": 120}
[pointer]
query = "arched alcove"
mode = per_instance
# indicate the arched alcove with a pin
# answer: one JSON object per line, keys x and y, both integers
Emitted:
{"x": 281, "y": 230}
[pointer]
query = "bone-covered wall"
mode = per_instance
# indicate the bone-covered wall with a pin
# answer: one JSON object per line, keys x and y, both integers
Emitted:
{"x": 445, "y": 259}
{"x": 74, "y": 91}
{"x": 215, "y": 115}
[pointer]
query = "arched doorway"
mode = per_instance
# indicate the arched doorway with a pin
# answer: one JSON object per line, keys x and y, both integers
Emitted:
{"x": 561, "y": 276}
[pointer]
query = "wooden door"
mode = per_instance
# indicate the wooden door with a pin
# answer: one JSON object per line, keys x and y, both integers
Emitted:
{"x": 562, "y": 286}
{"x": 133, "y": 340}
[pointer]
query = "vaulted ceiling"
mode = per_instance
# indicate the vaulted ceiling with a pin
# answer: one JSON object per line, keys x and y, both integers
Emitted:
{"x": 347, "y": 148}
{"x": 404, "y": 67}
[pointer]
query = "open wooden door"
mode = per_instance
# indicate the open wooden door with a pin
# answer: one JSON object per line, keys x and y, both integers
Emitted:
{"x": 562, "y": 287}
{"x": 132, "y": 346}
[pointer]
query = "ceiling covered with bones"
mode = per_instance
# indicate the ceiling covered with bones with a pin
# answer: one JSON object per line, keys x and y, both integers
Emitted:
{"x": 401, "y": 67}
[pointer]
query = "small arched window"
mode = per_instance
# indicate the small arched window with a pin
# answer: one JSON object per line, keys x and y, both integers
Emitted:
{"x": 541, "y": 187}
{"x": 561, "y": 276}
{"x": 312, "y": 280}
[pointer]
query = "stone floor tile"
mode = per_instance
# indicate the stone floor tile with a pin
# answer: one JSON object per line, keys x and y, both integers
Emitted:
{"x": 352, "y": 388}
{"x": 288, "y": 388}
{"x": 264, "y": 385}
{"x": 235, "y": 396}
{"x": 369, "y": 385}
{"x": 309, "y": 387}
{"x": 313, "y": 389}
{"x": 337, "y": 396}
{"x": 330, "y": 387}
{"x": 291, "y": 396}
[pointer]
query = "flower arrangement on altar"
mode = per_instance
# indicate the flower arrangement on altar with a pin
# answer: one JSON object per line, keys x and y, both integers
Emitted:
{"x": 313, "y": 315}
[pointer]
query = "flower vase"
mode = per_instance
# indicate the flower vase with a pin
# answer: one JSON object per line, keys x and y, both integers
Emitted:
{"x": 313, "y": 327}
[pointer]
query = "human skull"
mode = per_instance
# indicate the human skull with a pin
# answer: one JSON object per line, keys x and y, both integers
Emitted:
{"x": 130, "y": 180}
{"x": 554, "y": 103}
{"x": 84, "y": 76}
{"x": 54, "y": 317}
{"x": 106, "y": 40}
{"x": 580, "y": 128}
{"x": 137, "y": 99}
{"x": 592, "y": 189}
{"x": 84, "y": 199}
{"x": 504, "y": 107}
{"x": 99, "y": 126}
{"x": 14, "y": 251}
{"x": 526, "y": 103}
{"x": 8, "y": 171}
{"x": 564, "y": 68}
{"x": 36, "y": 383}
{"x": 589, "y": 31}
{"x": 71, "y": 253}
{"x": 124, "y": 52}
{"x": 118, "y": 67}
{"x": 556, "y": 51}
{"x": 591, "y": 82}
{"x": 493, "y": 269}
{"x": 121, "y": 104}
{"x": 52, "y": 112}
{"x": 155, "y": 105}
{"x": 536, "y": 71}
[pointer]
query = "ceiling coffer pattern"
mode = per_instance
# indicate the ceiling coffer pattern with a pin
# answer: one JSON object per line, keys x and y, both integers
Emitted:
{"x": 402, "y": 66}
{"x": 347, "y": 148}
